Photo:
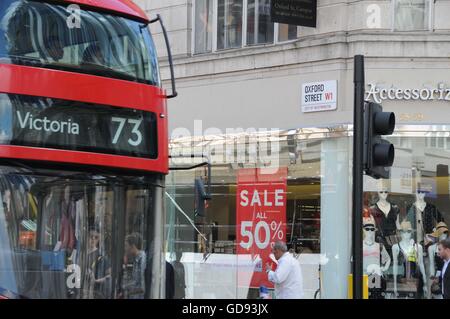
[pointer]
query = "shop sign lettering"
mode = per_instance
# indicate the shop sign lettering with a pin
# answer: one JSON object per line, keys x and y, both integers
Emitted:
{"x": 260, "y": 219}
{"x": 379, "y": 94}
{"x": 295, "y": 12}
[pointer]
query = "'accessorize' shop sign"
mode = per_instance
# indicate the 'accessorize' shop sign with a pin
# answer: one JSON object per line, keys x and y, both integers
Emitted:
{"x": 379, "y": 94}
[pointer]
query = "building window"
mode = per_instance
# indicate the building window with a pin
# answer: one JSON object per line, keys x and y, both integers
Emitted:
{"x": 440, "y": 142}
{"x": 287, "y": 32}
{"x": 433, "y": 142}
{"x": 203, "y": 26}
{"x": 230, "y": 24}
{"x": 260, "y": 29}
{"x": 412, "y": 15}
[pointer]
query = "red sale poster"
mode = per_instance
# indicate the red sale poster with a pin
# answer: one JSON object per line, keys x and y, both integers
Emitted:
{"x": 260, "y": 218}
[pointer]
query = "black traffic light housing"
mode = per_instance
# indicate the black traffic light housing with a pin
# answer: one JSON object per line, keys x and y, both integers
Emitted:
{"x": 378, "y": 153}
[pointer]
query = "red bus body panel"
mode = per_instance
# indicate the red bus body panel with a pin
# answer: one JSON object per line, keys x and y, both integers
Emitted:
{"x": 126, "y": 7}
{"x": 56, "y": 84}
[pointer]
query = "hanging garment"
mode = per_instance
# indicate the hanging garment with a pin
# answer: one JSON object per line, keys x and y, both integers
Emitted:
{"x": 67, "y": 232}
{"x": 386, "y": 225}
{"x": 431, "y": 216}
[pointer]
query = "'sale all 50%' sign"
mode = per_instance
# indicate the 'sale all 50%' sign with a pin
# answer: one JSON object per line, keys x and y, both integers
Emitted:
{"x": 260, "y": 219}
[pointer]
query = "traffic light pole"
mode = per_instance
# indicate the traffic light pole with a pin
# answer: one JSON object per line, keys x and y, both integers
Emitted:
{"x": 358, "y": 153}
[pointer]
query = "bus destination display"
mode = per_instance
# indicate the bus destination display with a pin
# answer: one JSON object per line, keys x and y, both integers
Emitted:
{"x": 68, "y": 125}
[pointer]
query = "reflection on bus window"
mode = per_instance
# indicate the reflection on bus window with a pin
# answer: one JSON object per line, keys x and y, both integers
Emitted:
{"x": 36, "y": 34}
{"x": 135, "y": 262}
{"x": 99, "y": 268}
{"x": 57, "y": 235}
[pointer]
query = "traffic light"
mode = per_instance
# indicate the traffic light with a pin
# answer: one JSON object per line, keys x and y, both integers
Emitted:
{"x": 378, "y": 153}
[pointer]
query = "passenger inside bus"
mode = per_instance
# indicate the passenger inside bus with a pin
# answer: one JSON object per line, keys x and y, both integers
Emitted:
{"x": 55, "y": 48}
{"x": 93, "y": 55}
{"x": 134, "y": 279}
{"x": 99, "y": 272}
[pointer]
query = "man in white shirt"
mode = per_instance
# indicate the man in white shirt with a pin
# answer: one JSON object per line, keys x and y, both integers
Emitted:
{"x": 444, "y": 252}
{"x": 288, "y": 277}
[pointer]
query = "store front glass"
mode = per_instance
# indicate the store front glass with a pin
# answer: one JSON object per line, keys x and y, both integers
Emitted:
{"x": 406, "y": 216}
{"x": 303, "y": 200}
{"x": 224, "y": 256}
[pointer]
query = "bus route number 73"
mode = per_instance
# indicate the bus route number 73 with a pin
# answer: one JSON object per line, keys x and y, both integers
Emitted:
{"x": 135, "y": 130}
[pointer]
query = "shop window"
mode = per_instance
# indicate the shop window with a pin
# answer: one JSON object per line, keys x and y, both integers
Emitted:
{"x": 405, "y": 217}
{"x": 252, "y": 208}
{"x": 412, "y": 15}
{"x": 303, "y": 231}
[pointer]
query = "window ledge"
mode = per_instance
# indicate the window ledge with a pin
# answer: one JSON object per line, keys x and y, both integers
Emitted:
{"x": 262, "y": 48}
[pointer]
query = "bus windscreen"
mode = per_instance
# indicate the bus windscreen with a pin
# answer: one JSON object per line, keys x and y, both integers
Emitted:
{"x": 50, "y": 35}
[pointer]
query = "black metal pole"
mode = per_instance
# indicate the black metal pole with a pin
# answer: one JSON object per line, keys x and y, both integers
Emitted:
{"x": 358, "y": 149}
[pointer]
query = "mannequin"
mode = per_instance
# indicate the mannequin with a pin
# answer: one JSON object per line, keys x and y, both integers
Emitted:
{"x": 386, "y": 216}
{"x": 423, "y": 216}
{"x": 376, "y": 260}
{"x": 407, "y": 254}
{"x": 436, "y": 262}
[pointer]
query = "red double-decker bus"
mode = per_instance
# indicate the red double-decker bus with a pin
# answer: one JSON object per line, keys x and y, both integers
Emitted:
{"x": 83, "y": 151}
